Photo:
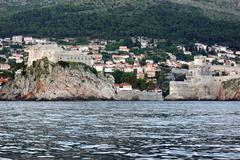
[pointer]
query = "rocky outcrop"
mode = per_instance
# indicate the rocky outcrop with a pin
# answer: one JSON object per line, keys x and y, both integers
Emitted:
{"x": 201, "y": 89}
{"x": 230, "y": 90}
{"x": 62, "y": 81}
{"x": 224, "y": 91}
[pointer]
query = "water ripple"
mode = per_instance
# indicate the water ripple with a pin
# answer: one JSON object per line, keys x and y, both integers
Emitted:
{"x": 119, "y": 130}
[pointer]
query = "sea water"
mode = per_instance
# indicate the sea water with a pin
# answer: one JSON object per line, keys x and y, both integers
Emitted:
{"x": 119, "y": 130}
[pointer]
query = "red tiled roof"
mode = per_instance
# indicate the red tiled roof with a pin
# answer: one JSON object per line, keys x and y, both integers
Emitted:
{"x": 124, "y": 84}
{"x": 121, "y": 85}
{"x": 3, "y": 80}
{"x": 116, "y": 85}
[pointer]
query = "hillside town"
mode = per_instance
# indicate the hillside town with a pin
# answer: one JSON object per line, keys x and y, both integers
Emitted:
{"x": 153, "y": 63}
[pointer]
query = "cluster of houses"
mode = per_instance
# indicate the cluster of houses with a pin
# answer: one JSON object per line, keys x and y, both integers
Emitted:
{"x": 216, "y": 54}
{"x": 21, "y": 40}
{"x": 122, "y": 59}
{"x": 13, "y": 48}
{"x": 12, "y": 52}
{"x": 223, "y": 55}
{"x": 143, "y": 42}
{"x": 120, "y": 62}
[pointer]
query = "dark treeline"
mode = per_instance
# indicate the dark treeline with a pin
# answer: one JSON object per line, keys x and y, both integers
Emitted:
{"x": 174, "y": 22}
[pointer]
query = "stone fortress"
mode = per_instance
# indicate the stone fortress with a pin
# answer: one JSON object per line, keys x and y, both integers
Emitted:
{"x": 56, "y": 53}
{"x": 200, "y": 84}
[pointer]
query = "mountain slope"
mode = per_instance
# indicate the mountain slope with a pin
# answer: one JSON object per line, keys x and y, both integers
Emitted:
{"x": 227, "y": 6}
{"x": 152, "y": 18}
{"x": 222, "y": 7}
{"x": 216, "y": 9}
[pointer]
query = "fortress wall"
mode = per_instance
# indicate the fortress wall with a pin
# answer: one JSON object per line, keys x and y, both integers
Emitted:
{"x": 55, "y": 54}
{"x": 200, "y": 83}
{"x": 202, "y": 87}
{"x": 225, "y": 68}
{"x": 86, "y": 59}
{"x": 182, "y": 89}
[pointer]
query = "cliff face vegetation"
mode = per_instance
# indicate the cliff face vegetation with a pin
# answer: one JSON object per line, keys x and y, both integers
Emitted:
{"x": 62, "y": 81}
{"x": 231, "y": 90}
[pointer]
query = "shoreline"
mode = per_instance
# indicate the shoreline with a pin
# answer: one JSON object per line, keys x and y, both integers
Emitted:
{"x": 104, "y": 100}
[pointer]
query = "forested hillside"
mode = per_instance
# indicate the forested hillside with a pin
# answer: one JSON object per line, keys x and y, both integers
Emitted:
{"x": 228, "y": 9}
{"x": 119, "y": 18}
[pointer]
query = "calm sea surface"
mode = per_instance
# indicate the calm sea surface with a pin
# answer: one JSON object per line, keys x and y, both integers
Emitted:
{"x": 119, "y": 130}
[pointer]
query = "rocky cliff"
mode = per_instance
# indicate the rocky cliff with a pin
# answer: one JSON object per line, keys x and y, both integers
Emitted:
{"x": 224, "y": 91}
{"x": 62, "y": 81}
{"x": 230, "y": 90}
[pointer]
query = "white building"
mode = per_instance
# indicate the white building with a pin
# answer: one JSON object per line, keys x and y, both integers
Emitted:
{"x": 55, "y": 53}
{"x": 5, "y": 67}
{"x": 237, "y": 52}
{"x": 17, "y": 57}
{"x": 211, "y": 58}
{"x": 120, "y": 58}
{"x": 99, "y": 67}
{"x": 182, "y": 48}
{"x": 220, "y": 48}
{"x": 17, "y": 39}
{"x": 144, "y": 44}
{"x": 108, "y": 69}
{"x": 41, "y": 41}
{"x": 172, "y": 57}
{"x": 7, "y": 40}
{"x": 187, "y": 52}
{"x": 128, "y": 69}
{"x": 123, "y": 87}
{"x": 28, "y": 40}
{"x": 18, "y": 72}
{"x": 149, "y": 62}
{"x": 201, "y": 46}
{"x": 124, "y": 49}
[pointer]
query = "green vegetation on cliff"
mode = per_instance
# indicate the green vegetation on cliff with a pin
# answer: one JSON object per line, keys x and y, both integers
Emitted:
{"x": 77, "y": 65}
